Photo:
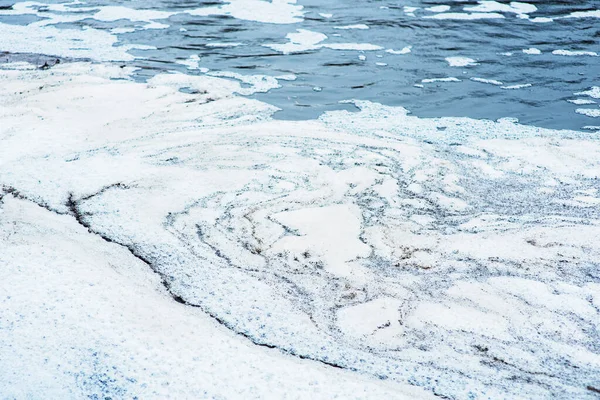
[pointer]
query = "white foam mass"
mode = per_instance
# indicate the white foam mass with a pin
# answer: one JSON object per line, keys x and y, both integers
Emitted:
{"x": 584, "y": 14}
{"x": 461, "y": 61}
{"x": 532, "y": 50}
{"x": 465, "y": 16}
{"x": 541, "y": 20}
{"x": 448, "y": 253}
{"x": 581, "y": 102}
{"x": 447, "y": 79}
{"x": 404, "y": 50}
{"x": 275, "y": 11}
{"x": 221, "y": 44}
{"x": 438, "y": 9}
{"x": 85, "y": 43}
{"x": 593, "y": 92}
{"x": 347, "y": 27}
{"x": 304, "y": 40}
{"x": 490, "y": 81}
{"x": 518, "y": 86}
{"x": 52, "y": 14}
{"x": 573, "y": 53}
{"x": 410, "y": 11}
{"x": 589, "y": 112}
{"x": 494, "y": 6}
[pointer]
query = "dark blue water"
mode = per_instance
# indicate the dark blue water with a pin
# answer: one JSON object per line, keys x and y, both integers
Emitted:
{"x": 326, "y": 76}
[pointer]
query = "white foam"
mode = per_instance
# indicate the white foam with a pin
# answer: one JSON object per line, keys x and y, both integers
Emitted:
{"x": 275, "y": 12}
{"x": 573, "y": 53}
{"x": 532, "y": 50}
{"x": 584, "y": 14}
{"x": 494, "y": 6}
{"x": 448, "y": 79}
{"x": 461, "y": 62}
{"x": 86, "y": 43}
{"x": 490, "y": 81}
{"x": 518, "y": 86}
{"x": 315, "y": 237}
{"x": 593, "y": 92}
{"x": 357, "y": 26}
{"x": 192, "y": 63}
{"x": 299, "y": 41}
{"x": 438, "y": 9}
{"x": 122, "y": 30}
{"x": 257, "y": 83}
{"x": 465, "y": 16}
{"x": 352, "y": 46}
{"x": 53, "y": 14}
{"x": 100, "y": 334}
{"x": 410, "y": 11}
{"x": 581, "y": 102}
{"x": 589, "y": 112}
{"x": 363, "y": 320}
{"x": 326, "y": 15}
{"x": 541, "y": 20}
{"x": 304, "y": 40}
{"x": 330, "y": 232}
{"x": 219, "y": 44}
{"x": 115, "y": 13}
{"x": 404, "y": 50}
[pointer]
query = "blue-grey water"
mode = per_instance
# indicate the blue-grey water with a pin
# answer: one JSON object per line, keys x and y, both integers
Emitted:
{"x": 326, "y": 76}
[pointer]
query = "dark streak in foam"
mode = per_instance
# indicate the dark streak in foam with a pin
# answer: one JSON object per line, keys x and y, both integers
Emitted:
{"x": 593, "y": 389}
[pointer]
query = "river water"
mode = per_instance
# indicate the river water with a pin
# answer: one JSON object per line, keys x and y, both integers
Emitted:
{"x": 529, "y": 61}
